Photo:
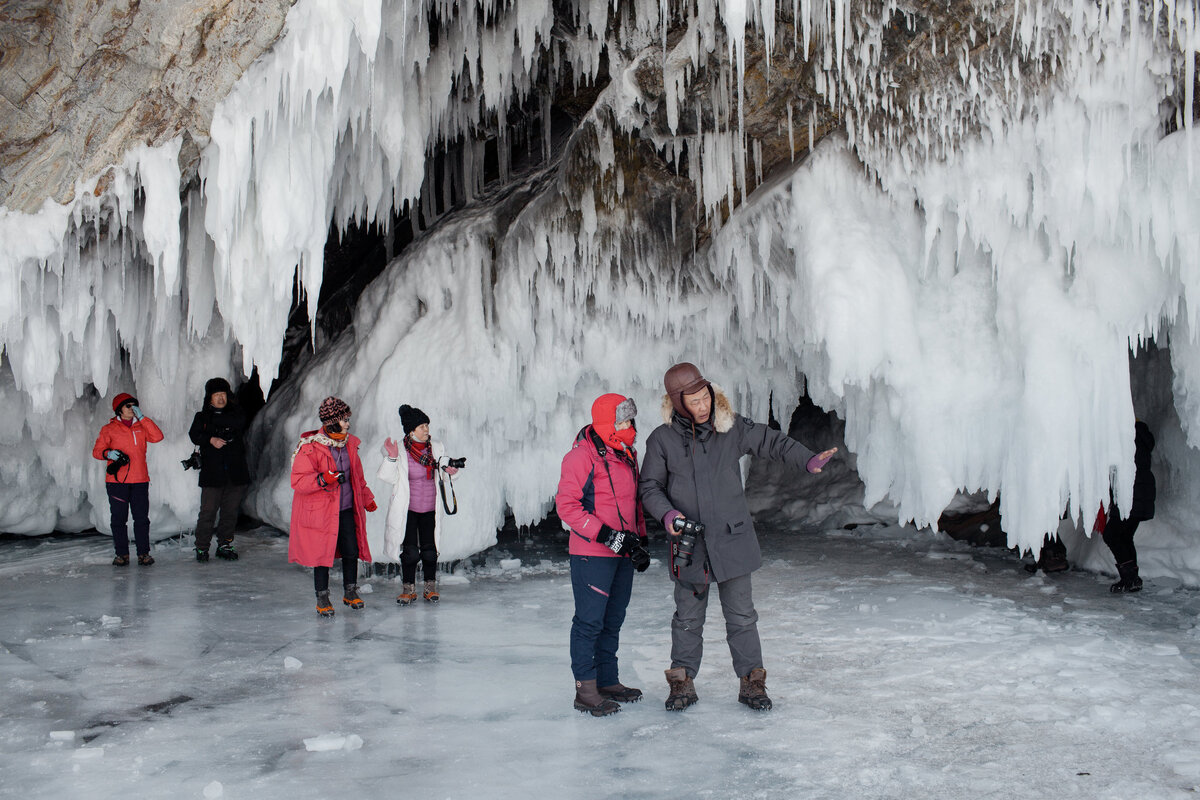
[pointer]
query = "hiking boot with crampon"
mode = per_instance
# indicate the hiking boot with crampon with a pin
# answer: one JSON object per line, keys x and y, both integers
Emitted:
{"x": 201, "y": 555}
{"x": 753, "y": 690}
{"x": 145, "y": 559}
{"x": 589, "y": 701}
{"x": 1130, "y": 581}
{"x": 408, "y": 594}
{"x": 324, "y": 606}
{"x": 682, "y": 692}
{"x": 431, "y": 595}
{"x": 225, "y": 551}
{"x": 121, "y": 561}
{"x": 620, "y": 693}
{"x": 350, "y": 596}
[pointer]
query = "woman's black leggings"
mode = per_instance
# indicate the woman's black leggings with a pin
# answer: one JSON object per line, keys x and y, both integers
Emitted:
{"x": 347, "y": 546}
{"x": 418, "y": 547}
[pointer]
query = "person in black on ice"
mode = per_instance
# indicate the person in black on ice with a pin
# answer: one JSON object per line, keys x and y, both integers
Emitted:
{"x": 1118, "y": 531}
{"x": 219, "y": 431}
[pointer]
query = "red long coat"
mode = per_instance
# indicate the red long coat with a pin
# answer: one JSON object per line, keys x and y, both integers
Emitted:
{"x": 315, "y": 508}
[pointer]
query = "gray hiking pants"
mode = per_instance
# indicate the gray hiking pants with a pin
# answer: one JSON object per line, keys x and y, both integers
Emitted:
{"x": 741, "y": 625}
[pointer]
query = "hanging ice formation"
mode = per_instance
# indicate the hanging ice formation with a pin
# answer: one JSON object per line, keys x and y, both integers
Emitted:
{"x": 959, "y": 272}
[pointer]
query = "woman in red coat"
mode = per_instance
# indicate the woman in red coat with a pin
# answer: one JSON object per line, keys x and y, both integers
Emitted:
{"x": 329, "y": 505}
{"x": 122, "y": 443}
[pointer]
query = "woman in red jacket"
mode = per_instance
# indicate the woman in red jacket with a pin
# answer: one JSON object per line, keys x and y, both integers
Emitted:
{"x": 329, "y": 505}
{"x": 597, "y": 497}
{"x": 122, "y": 443}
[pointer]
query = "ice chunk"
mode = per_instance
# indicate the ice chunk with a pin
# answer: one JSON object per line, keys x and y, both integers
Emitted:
{"x": 292, "y": 663}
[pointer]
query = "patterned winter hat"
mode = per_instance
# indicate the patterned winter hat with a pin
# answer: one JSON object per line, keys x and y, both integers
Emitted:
{"x": 333, "y": 409}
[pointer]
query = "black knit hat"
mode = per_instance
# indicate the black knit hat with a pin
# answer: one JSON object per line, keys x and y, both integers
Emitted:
{"x": 412, "y": 418}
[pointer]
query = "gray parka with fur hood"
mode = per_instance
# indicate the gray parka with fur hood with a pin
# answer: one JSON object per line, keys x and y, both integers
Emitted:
{"x": 694, "y": 469}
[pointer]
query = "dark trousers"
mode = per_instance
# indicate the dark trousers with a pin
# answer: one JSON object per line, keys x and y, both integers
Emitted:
{"x": 122, "y": 499}
{"x": 226, "y": 500}
{"x": 741, "y": 625}
{"x": 418, "y": 546}
{"x": 1118, "y": 535}
{"x": 347, "y": 546}
{"x": 602, "y": 588}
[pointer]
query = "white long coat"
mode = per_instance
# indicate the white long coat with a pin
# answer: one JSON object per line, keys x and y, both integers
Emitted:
{"x": 396, "y": 473}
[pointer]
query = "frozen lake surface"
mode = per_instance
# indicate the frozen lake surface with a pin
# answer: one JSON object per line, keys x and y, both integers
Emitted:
{"x": 901, "y": 664}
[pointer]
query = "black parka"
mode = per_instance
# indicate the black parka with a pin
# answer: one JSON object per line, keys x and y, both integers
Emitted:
{"x": 695, "y": 469}
{"x": 227, "y": 465}
{"x": 1144, "y": 488}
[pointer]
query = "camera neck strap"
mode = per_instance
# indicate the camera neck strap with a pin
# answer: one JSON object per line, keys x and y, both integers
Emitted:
{"x": 443, "y": 479}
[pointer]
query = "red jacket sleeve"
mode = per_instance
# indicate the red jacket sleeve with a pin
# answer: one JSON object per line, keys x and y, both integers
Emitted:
{"x": 576, "y": 466}
{"x": 153, "y": 432}
{"x": 306, "y": 466}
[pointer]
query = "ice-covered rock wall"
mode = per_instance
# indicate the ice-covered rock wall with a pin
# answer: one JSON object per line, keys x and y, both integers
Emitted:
{"x": 959, "y": 268}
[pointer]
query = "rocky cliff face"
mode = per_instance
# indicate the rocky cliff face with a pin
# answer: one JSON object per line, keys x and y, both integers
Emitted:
{"x": 82, "y": 81}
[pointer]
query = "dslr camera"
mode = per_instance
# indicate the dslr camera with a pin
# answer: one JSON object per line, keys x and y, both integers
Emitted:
{"x": 192, "y": 461}
{"x": 688, "y": 530}
{"x": 457, "y": 463}
{"x": 115, "y": 465}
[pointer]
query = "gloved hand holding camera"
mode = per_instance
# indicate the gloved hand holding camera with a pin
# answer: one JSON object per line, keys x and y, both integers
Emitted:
{"x": 116, "y": 460}
{"x": 331, "y": 478}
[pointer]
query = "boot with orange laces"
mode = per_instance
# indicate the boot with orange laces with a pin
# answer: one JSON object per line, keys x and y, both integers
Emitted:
{"x": 408, "y": 594}
{"x": 431, "y": 595}
{"x": 350, "y": 597}
{"x": 324, "y": 607}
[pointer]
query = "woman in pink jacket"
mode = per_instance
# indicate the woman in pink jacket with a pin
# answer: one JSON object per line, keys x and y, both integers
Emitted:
{"x": 597, "y": 497}
{"x": 330, "y": 504}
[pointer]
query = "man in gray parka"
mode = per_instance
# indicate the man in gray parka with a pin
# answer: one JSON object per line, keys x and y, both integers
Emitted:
{"x": 691, "y": 472}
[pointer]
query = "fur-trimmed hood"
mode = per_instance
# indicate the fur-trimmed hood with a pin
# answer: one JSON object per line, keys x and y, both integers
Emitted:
{"x": 722, "y": 413}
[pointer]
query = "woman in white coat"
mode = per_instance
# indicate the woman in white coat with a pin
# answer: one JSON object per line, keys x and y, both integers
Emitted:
{"x": 414, "y": 517}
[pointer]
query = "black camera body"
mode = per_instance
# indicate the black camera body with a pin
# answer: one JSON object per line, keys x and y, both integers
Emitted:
{"x": 688, "y": 531}
{"x": 192, "y": 461}
{"x": 115, "y": 465}
{"x": 456, "y": 463}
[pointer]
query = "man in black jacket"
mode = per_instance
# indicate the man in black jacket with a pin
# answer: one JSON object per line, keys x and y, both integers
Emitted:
{"x": 219, "y": 431}
{"x": 692, "y": 471}
{"x": 1119, "y": 529}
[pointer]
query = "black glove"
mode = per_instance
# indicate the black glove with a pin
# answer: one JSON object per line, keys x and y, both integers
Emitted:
{"x": 620, "y": 542}
{"x": 640, "y": 556}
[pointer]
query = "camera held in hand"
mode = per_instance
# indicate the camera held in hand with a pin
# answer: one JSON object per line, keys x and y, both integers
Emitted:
{"x": 192, "y": 461}
{"x": 687, "y": 531}
{"x": 456, "y": 463}
{"x": 115, "y": 464}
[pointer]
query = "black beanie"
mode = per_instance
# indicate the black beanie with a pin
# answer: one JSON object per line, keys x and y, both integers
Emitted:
{"x": 214, "y": 385}
{"x": 411, "y": 418}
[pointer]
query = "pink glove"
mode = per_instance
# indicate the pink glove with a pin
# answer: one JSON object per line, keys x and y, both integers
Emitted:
{"x": 817, "y": 462}
{"x": 451, "y": 470}
{"x": 669, "y": 520}
{"x": 391, "y": 448}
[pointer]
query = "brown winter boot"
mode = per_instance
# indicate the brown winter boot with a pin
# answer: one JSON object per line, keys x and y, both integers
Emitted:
{"x": 589, "y": 701}
{"x": 431, "y": 595}
{"x": 682, "y": 691}
{"x": 350, "y": 596}
{"x": 620, "y": 693}
{"x": 753, "y": 691}
{"x": 408, "y": 594}
{"x": 324, "y": 607}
